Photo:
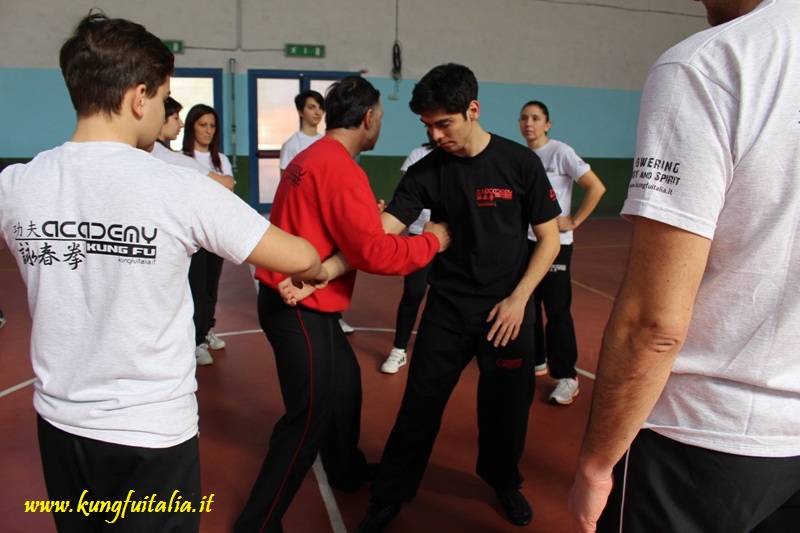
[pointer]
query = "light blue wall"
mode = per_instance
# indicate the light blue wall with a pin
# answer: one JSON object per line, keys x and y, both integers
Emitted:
{"x": 36, "y": 114}
{"x": 35, "y": 111}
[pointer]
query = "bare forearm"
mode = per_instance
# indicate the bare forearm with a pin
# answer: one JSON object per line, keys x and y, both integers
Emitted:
{"x": 336, "y": 265}
{"x": 588, "y": 205}
{"x": 547, "y": 247}
{"x": 633, "y": 367}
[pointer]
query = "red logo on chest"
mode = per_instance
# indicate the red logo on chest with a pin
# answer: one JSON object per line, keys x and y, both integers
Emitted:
{"x": 486, "y": 197}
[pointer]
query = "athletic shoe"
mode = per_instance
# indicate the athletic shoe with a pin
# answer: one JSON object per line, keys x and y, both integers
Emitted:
{"x": 347, "y": 328}
{"x": 214, "y": 342}
{"x": 2, "y": 319}
{"x": 202, "y": 355}
{"x": 396, "y": 359}
{"x": 565, "y": 391}
{"x": 540, "y": 370}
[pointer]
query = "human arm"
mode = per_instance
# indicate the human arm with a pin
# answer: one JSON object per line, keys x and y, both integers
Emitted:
{"x": 594, "y": 190}
{"x": 647, "y": 328}
{"x": 282, "y": 252}
{"x": 337, "y": 265}
{"x": 226, "y": 181}
{"x": 509, "y": 312}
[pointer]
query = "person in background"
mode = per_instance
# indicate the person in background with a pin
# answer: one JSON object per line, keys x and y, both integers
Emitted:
{"x": 310, "y": 108}
{"x": 102, "y": 233}
{"x": 697, "y": 398}
{"x": 556, "y": 345}
{"x": 169, "y": 132}
{"x": 414, "y": 284}
{"x": 201, "y": 141}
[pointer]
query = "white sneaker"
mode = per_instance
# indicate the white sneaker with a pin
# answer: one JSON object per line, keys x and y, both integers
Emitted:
{"x": 202, "y": 355}
{"x": 540, "y": 370}
{"x": 566, "y": 389}
{"x": 214, "y": 342}
{"x": 396, "y": 359}
{"x": 347, "y": 328}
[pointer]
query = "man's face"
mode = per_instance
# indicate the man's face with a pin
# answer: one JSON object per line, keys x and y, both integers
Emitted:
{"x": 171, "y": 128}
{"x": 722, "y": 11}
{"x": 375, "y": 131}
{"x": 451, "y": 131}
{"x": 311, "y": 113}
{"x": 153, "y": 116}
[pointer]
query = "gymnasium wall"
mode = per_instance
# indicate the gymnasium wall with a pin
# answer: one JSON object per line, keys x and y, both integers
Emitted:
{"x": 587, "y": 60}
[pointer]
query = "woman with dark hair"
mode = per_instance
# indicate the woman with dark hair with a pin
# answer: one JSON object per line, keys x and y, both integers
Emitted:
{"x": 201, "y": 141}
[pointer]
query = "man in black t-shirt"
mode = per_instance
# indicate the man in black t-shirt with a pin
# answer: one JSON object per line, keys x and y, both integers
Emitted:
{"x": 489, "y": 190}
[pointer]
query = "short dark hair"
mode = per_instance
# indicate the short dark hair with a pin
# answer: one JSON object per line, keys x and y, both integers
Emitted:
{"x": 171, "y": 106}
{"x": 104, "y": 58}
{"x": 450, "y": 87}
{"x": 541, "y": 106}
{"x": 348, "y": 100}
{"x": 301, "y": 99}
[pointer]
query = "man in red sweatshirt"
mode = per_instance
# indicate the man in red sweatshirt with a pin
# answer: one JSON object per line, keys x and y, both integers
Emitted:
{"x": 325, "y": 197}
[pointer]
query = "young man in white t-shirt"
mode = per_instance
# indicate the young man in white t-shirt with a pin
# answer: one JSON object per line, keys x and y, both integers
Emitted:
{"x": 310, "y": 108}
{"x": 103, "y": 234}
{"x": 697, "y": 399}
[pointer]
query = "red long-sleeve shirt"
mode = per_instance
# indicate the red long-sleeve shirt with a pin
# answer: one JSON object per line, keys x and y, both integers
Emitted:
{"x": 324, "y": 196}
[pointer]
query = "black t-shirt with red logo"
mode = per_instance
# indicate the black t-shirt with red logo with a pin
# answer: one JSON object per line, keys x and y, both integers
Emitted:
{"x": 489, "y": 201}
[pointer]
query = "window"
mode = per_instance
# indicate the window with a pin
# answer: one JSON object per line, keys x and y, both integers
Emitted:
{"x": 272, "y": 95}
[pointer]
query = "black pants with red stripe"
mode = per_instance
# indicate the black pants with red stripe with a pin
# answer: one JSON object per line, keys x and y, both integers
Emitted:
{"x": 505, "y": 393}
{"x": 320, "y": 382}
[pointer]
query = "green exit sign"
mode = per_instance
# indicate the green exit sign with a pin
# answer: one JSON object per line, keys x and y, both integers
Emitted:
{"x": 305, "y": 50}
{"x": 175, "y": 46}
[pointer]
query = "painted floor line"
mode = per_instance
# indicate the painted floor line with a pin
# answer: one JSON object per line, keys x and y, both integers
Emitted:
{"x": 17, "y": 387}
{"x": 593, "y": 290}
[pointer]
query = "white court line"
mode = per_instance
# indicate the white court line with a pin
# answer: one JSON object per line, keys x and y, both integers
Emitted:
{"x": 17, "y": 387}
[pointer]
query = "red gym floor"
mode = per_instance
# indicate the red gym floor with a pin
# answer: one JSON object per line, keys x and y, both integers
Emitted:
{"x": 240, "y": 401}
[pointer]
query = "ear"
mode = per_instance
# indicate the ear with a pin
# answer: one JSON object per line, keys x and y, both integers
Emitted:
{"x": 138, "y": 100}
{"x": 473, "y": 110}
{"x": 369, "y": 118}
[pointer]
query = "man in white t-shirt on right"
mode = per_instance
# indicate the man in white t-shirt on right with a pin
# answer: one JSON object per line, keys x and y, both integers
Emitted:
{"x": 697, "y": 398}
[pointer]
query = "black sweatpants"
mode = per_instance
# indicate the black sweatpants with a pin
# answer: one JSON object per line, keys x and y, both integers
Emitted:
{"x": 205, "y": 270}
{"x": 664, "y": 485}
{"x": 414, "y": 287}
{"x": 320, "y": 382}
{"x": 86, "y": 471}
{"x": 555, "y": 341}
{"x": 505, "y": 392}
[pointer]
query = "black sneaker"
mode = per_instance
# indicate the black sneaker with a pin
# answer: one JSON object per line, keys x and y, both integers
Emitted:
{"x": 378, "y": 517}
{"x": 516, "y": 506}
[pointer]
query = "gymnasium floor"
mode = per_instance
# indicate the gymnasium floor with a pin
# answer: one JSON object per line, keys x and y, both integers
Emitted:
{"x": 240, "y": 401}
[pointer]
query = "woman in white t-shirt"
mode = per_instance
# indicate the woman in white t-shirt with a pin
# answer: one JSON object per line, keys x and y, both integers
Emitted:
{"x": 201, "y": 141}
{"x": 555, "y": 344}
